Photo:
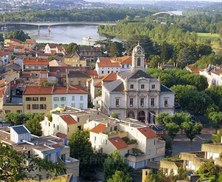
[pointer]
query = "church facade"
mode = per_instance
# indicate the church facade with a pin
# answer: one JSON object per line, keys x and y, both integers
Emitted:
{"x": 135, "y": 94}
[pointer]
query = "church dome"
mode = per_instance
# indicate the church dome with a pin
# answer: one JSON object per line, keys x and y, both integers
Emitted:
{"x": 138, "y": 50}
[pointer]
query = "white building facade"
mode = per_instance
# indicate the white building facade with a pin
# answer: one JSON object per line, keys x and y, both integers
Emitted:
{"x": 136, "y": 94}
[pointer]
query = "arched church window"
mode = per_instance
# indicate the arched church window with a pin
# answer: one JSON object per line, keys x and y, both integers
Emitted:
{"x": 138, "y": 61}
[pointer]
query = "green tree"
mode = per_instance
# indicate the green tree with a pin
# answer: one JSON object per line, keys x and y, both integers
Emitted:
{"x": 209, "y": 171}
{"x": 119, "y": 176}
{"x": 15, "y": 118}
{"x": 192, "y": 129}
{"x": 80, "y": 148}
{"x": 12, "y": 165}
{"x": 215, "y": 119}
{"x": 114, "y": 162}
{"x": 185, "y": 56}
{"x": 18, "y": 34}
{"x": 71, "y": 48}
{"x": 172, "y": 129}
{"x": 164, "y": 118}
{"x": 154, "y": 61}
{"x": 34, "y": 126}
{"x": 217, "y": 136}
{"x": 115, "y": 49}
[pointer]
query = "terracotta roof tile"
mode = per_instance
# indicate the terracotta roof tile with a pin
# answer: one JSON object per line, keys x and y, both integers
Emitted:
{"x": 35, "y": 61}
{"x": 99, "y": 128}
{"x": 110, "y": 77}
{"x": 71, "y": 90}
{"x": 2, "y": 91}
{"x": 91, "y": 72}
{"x": 38, "y": 90}
{"x": 61, "y": 135}
{"x": 3, "y": 53}
{"x": 68, "y": 119}
{"x": 147, "y": 132}
{"x": 98, "y": 84}
{"x": 56, "y": 145}
{"x": 107, "y": 62}
{"x": 124, "y": 59}
{"x": 118, "y": 143}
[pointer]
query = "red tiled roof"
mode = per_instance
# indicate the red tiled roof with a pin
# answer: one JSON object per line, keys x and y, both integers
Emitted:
{"x": 35, "y": 61}
{"x": 124, "y": 59}
{"x": 110, "y": 77}
{"x": 56, "y": 145}
{"x": 106, "y": 62}
{"x": 98, "y": 84}
{"x": 99, "y": 128}
{"x": 147, "y": 132}
{"x": 118, "y": 142}
{"x": 61, "y": 135}
{"x": 38, "y": 90}
{"x": 91, "y": 72}
{"x": 2, "y": 91}
{"x": 68, "y": 119}
{"x": 71, "y": 90}
{"x": 3, "y": 53}
{"x": 217, "y": 71}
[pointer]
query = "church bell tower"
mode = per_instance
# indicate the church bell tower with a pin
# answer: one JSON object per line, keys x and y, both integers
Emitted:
{"x": 138, "y": 58}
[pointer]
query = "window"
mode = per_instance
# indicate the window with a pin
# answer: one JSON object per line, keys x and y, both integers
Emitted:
{"x": 35, "y": 106}
{"x": 28, "y": 107}
{"x": 81, "y": 105}
{"x": 35, "y": 99}
{"x": 42, "y": 106}
{"x": 79, "y": 82}
{"x": 102, "y": 72}
{"x": 142, "y": 86}
{"x": 131, "y": 86}
{"x": 77, "y": 119}
{"x": 55, "y": 99}
{"x": 42, "y": 98}
{"x": 28, "y": 98}
{"x": 131, "y": 102}
{"x": 94, "y": 139}
{"x": 57, "y": 127}
{"x": 153, "y": 86}
{"x": 165, "y": 102}
{"x": 117, "y": 102}
{"x": 73, "y": 97}
{"x": 152, "y": 102}
{"x": 141, "y": 102}
{"x": 62, "y": 99}
{"x": 19, "y": 111}
{"x": 53, "y": 125}
{"x": 73, "y": 105}
{"x": 81, "y": 97}
{"x": 62, "y": 105}
{"x": 7, "y": 111}
{"x": 55, "y": 105}
{"x": 138, "y": 62}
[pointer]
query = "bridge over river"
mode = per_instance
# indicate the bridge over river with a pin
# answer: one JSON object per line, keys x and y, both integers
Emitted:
{"x": 48, "y": 23}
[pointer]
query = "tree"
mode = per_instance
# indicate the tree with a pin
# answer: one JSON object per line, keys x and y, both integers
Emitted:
{"x": 15, "y": 118}
{"x": 144, "y": 41}
{"x": 12, "y": 165}
{"x": 114, "y": 162}
{"x": 217, "y": 136}
{"x": 80, "y": 148}
{"x": 119, "y": 176}
{"x": 215, "y": 119}
{"x": 192, "y": 129}
{"x": 172, "y": 129}
{"x": 154, "y": 61}
{"x": 115, "y": 49}
{"x": 185, "y": 57}
{"x": 34, "y": 126}
{"x": 18, "y": 34}
{"x": 164, "y": 118}
{"x": 71, "y": 48}
{"x": 209, "y": 171}
{"x": 114, "y": 115}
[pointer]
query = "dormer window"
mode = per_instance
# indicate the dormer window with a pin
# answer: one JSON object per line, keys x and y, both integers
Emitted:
{"x": 138, "y": 61}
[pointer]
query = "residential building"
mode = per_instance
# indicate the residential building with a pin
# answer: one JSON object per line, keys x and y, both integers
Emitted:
{"x": 75, "y": 60}
{"x": 67, "y": 120}
{"x": 4, "y": 57}
{"x": 54, "y": 49}
{"x": 43, "y": 99}
{"x": 135, "y": 141}
{"x": 35, "y": 64}
{"x": 213, "y": 74}
{"x": 136, "y": 94}
{"x": 90, "y": 53}
{"x": 73, "y": 96}
{"x": 76, "y": 77}
{"x": 52, "y": 148}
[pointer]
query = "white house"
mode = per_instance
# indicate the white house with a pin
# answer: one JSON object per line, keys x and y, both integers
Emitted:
{"x": 72, "y": 96}
{"x": 138, "y": 144}
{"x": 4, "y": 57}
{"x": 136, "y": 94}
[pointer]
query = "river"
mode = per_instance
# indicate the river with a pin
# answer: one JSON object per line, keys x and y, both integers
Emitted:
{"x": 64, "y": 34}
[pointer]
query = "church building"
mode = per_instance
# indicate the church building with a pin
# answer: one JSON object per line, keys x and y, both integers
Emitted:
{"x": 135, "y": 94}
